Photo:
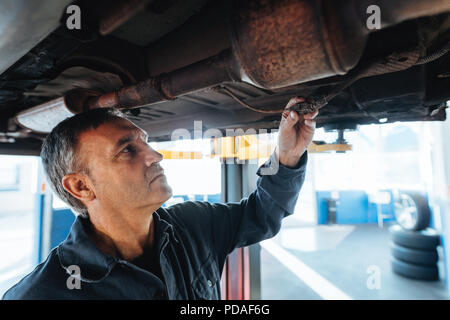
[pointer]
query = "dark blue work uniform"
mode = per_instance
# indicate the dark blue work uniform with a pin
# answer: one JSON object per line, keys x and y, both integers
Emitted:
{"x": 192, "y": 241}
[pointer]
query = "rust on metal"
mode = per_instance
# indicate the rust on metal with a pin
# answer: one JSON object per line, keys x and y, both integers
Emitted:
{"x": 275, "y": 44}
{"x": 165, "y": 91}
{"x": 396, "y": 61}
{"x": 137, "y": 95}
{"x": 167, "y": 86}
{"x": 280, "y": 43}
{"x": 107, "y": 100}
{"x": 76, "y": 100}
{"x": 287, "y": 42}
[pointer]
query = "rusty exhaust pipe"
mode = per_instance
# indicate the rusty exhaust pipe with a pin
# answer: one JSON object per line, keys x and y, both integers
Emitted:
{"x": 274, "y": 44}
{"x": 203, "y": 74}
{"x": 167, "y": 86}
{"x": 277, "y": 44}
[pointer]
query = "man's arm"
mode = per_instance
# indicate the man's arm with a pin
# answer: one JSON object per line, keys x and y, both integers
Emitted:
{"x": 258, "y": 217}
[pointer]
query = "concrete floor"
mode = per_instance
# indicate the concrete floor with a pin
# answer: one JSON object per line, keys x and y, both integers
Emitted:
{"x": 336, "y": 259}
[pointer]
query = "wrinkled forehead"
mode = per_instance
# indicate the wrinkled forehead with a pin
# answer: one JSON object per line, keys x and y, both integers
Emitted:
{"x": 105, "y": 139}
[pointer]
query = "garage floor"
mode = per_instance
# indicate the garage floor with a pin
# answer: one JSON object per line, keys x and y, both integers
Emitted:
{"x": 334, "y": 262}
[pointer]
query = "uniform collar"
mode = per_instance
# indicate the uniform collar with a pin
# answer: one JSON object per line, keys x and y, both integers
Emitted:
{"x": 78, "y": 249}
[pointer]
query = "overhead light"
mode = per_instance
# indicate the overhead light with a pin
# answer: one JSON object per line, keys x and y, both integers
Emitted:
{"x": 383, "y": 120}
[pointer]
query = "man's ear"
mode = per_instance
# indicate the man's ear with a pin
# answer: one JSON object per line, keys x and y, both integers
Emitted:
{"x": 77, "y": 185}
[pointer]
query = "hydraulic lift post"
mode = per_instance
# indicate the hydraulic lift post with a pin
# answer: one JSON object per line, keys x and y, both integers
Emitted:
{"x": 241, "y": 277}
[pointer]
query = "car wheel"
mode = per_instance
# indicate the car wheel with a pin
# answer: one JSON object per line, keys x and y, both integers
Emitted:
{"x": 411, "y": 211}
{"x": 416, "y": 256}
{"x": 425, "y": 239}
{"x": 415, "y": 271}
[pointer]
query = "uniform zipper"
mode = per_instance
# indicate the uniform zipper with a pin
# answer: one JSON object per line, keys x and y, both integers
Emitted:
{"x": 166, "y": 235}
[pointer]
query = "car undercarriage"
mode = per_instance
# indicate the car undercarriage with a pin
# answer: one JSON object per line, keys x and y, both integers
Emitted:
{"x": 230, "y": 64}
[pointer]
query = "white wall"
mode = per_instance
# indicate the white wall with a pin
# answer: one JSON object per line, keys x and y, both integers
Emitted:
{"x": 20, "y": 200}
{"x": 440, "y": 198}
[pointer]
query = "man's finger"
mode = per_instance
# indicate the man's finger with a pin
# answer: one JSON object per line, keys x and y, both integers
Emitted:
{"x": 290, "y": 119}
{"x": 294, "y": 116}
{"x": 311, "y": 115}
{"x": 294, "y": 101}
{"x": 310, "y": 123}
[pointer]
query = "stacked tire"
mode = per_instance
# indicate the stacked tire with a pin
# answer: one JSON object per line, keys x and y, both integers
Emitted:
{"x": 413, "y": 244}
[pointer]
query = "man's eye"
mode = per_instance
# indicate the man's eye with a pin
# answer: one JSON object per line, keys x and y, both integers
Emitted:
{"x": 129, "y": 149}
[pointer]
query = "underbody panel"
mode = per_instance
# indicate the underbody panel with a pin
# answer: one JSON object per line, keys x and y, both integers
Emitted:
{"x": 168, "y": 64}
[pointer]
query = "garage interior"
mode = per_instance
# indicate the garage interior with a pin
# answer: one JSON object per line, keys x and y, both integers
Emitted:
{"x": 337, "y": 243}
{"x": 372, "y": 219}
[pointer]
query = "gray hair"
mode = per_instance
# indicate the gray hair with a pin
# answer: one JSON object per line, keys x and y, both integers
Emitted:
{"x": 59, "y": 151}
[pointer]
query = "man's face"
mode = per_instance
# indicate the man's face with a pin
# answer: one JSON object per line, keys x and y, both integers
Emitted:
{"x": 123, "y": 168}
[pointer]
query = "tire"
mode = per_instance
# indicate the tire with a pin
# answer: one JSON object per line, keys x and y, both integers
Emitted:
{"x": 427, "y": 239}
{"x": 412, "y": 211}
{"x": 415, "y": 256}
{"x": 430, "y": 273}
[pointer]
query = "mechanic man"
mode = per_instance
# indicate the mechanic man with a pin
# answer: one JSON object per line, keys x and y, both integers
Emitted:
{"x": 123, "y": 244}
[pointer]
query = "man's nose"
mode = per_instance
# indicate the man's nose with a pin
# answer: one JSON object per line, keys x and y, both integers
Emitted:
{"x": 152, "y": 156}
